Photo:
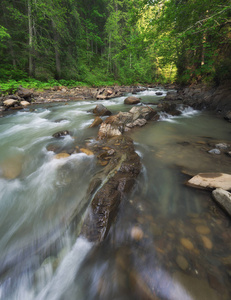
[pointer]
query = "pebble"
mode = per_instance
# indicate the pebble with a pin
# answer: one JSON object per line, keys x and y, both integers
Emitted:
{"x": 137, "y": 233}
{"x": 207, "y": 243}
{"x": 187, "y": 243}
{"x": 182, "y": 262}
{"x": 203, "y": 229}
{"x": 221, "y": 146}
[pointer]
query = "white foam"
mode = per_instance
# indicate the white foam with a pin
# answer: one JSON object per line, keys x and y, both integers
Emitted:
{"x": 65, "y": 274}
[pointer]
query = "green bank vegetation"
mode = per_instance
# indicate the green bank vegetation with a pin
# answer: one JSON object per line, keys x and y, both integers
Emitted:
{"x": 104, "y": 42}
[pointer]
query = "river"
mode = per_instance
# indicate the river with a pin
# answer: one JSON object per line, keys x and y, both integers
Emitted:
{"x": 183, "y": 251}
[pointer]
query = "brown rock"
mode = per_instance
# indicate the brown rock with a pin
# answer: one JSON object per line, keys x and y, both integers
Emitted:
{"x": 61, "y": 155}
{"x": 206, "y": 242}
{"x": 132, "y": 100}
{"x": 96, "y": 122}
{"x": 187, "y": 243}
{"x": 203, "y": 229}
{"x": 182, "y": 262}
{"x": 101, "y": 110}
{"x": 12, "y": 167}
{"x": 86, "y": 151}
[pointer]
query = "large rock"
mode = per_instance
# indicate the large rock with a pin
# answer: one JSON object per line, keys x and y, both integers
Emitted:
{"x": 24, "y": 93}
{"x": 211, "y": 181}
{"x": 110, "y": 186}
{"x": 123, "y": 121}
{"x": 132, "y": 100}
{"x": 223, "y": 198}
{"x": 10, "y": 102}
{"x": 101, "y": 110}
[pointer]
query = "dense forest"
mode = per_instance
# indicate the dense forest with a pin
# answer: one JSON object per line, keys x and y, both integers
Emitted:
{"x": 115, "y": 41}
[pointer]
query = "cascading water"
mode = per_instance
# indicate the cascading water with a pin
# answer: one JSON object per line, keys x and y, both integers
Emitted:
{"x": 42, "y": 255}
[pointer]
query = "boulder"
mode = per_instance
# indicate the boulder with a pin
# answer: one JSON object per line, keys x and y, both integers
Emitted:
{"x": 61, "y": 134}
{"x": 96, "y": 122}
{"x": 143, "y": 112}
{"x": 101, "y": 110}
{"x": 10, "y": 102}
{"x": 24, "y": 93}
{"x": 110, "y": 186}
{"x": 123, "y": 121}
{"x": 132, "y": 100}
{"x": 211, "y": 181}
{"x": 223, "y": 198}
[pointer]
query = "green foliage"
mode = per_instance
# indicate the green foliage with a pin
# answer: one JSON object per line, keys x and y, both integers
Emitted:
{"x": 114, "y": 41}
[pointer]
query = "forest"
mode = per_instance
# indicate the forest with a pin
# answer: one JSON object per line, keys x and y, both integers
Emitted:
{"x": 97, "y": 42}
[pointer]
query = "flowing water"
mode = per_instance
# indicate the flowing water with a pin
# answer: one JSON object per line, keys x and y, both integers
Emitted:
{"x": 183, "y": 246}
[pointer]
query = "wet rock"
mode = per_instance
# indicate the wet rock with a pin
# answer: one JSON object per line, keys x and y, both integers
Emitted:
{"x": 214, "y": 151}
{"x": 223, "y": 198}
{"x": 137, "y": 233}
{"x": 61, "y": 155}
{"x": 101, "y": 110}
{"x": 96, "y": 122}
{"x": 61, "y": 134}
{"x": 86, "y": 151}
{"x": 143, "y": 112}
{"x": 53, "y": 148}
{"x": 207, "y": 242}
{"x": 187, "y": 243}
{"x": 118, "y": 178}
{"x": 132, "y": 100}
{"x": 203, "y": 229}
{"x": 211, "y": 181}
{"x": 182, "y": 262}
{"x": 159, "y": 93}
{"x": 10, "y": 102}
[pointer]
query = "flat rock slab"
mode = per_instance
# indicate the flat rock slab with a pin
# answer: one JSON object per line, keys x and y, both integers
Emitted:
{"x": 211, "y": 181}
{"x": 223, "y": 198}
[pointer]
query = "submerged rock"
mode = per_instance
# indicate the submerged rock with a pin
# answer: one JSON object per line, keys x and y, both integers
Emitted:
{"x": 187, "y": 243}
{"x": 211, "y": 181}
{"x": 223, "y": 198}
{"x": 61, "y": 155}
{"x": 137, "y": 233}
{"x": 61, "y": 134}
{"x": 182, "y": 262}
{"x": 11, "y": 168}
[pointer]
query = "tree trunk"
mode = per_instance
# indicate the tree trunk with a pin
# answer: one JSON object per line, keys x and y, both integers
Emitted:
{"x": 57, "y": 56}
{"x": 30, "y": 39}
